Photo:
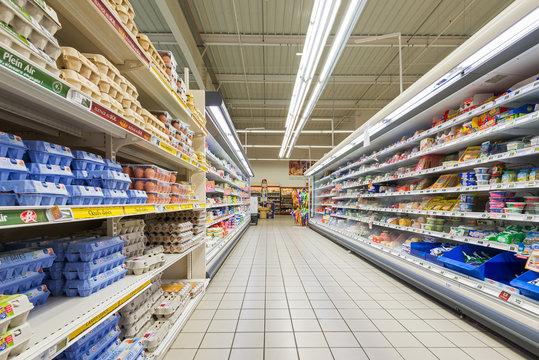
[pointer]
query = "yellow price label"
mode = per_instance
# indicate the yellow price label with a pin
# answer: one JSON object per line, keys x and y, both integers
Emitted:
{"x": 202, "y": 205}
{"x": 163, "y": 145}
{"x": 110, "y": 309}
{"x": 138, "y": 209}
{"x": 97, "y": 212}
{"x": 185, "y": 158}
{"x": 172, "y": 207}
{"x": 186, "y": 206}
{"x": 204, "y": 168}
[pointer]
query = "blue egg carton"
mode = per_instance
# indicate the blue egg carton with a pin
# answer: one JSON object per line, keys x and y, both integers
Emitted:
{"x": 84, "y": 195}
{"x": 109, "y": 179}
{"x": 12, "y": 169}
{"x": 136, "y": 197}
{"x": 56, "y": 287}
{"x": 112, "y": 338}
{"x": 56, "y": 271}
{"x": 109, "y": 350}
{"x": 57, "y": 245}
{"x": 91, "y": 337}
{"x": 93, "y": 248}
{"x": 50, "y": 173}
{"x": 43, "y": 152}
{"x": 87, "y": 287}
{"x": 112, "y": 165}
{"x": 20, "y": 283}
{"x": 11, "y": 146}
{"x": 86, "y": 270}
{"x": 114, "y": 197}
{"x": 38, "y": 295}
{"x": 129, "y": 349}
{"x": 17, "y": 262}
{"x": 35, "y": 193}
{"x": 84, "y": 160}
{"x": 80, "y": 177}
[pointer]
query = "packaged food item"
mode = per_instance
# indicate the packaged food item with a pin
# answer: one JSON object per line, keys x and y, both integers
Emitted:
{"x": 14, "y": 310}
{"x": 11, "y": 146}
{"x": 471, "y": 153}
{"x": 43, "y": 152}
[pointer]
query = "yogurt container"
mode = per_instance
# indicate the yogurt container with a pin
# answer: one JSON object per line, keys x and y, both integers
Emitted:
{"x": 523, "y": 175}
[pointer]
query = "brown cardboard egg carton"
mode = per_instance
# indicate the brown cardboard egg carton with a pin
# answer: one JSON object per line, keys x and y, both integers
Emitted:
{"x": 42, "y": 13}
{"x": 128, "y": 87}
{"x": 72, "y": 59}
{"x": 157, "y": 133}
{"x": 105, "y": 67}
{"x": 14, "y": 16}
{"x": 11, "y": 41}
{"x": 79, "y": 82}
{"x": 147, "y": 45}
{"x": 152, "y": 120}
{"x": 112, "y": 104}
{"x": 134, "y": 118}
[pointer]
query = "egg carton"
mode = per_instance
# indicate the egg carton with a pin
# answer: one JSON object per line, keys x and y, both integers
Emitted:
{"x": 131, "y": 330}
{"x": 168, "y": 305}
{"x": 22, "y": 23}
{"x": 20, "y": 47}
{"x": 93, "y": 248}
{"x": 91, "y": 337}
{"x": 38, "y": 295}
{"x": 166, "y": 238}
{"x": 72, "y": 59}
{"x": 129, "y": 102}
{"x": 154, "y": 122}
{"x": 156, "y": 132}
{"x": 153, "y": 250}
{"x": 136, "y": 249}
{"x": 150, "y": 295}
{"x": 147, "y": 45}
{"x": 42, "y": 13}
{"x": 129, "y": 318}
{"x": 196, "y": 287}
{"x": 96, "y": 350}
{"x": 129, "y": 349}
{"x": 19, "y": 306}
{"x": 131, "y": 238}
{"x": 21, "y": 283}
{"x": 105, "y": 67}
{"x": 79, "y": 82}
{"x": 135, "y": 118}
{"x": 20, "y": 261}
{"x": 87, "y": 287}
{"x": 145, "y": 263}
{"x": 15, "y": 341}
{"x": 155, "y": 334}
{"x": 86, "y": 270}
{"x": 131, "y": 225}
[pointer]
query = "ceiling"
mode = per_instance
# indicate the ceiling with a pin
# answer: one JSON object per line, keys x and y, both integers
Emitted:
{"x": 248, "y": 49}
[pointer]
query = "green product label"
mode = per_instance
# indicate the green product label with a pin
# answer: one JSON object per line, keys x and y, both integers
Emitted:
{"x": 22, "y": 217}
{"x": 21, "y": 11}
{"x": 16, "y": 35}
{"x": 31, "y": 72}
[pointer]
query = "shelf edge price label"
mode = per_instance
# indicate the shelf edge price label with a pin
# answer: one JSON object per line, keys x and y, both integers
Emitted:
{"x": 186, "y": 206}
{"x": 96, "y": 212}
{"x": 138, "y": 209}
{"x": 185, "y": 158}
{"x": 163, "y": 145}
{"x": 172, "y": 207}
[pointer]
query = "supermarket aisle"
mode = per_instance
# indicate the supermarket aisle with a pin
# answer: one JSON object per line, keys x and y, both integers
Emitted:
{"x": 288, "y": 293}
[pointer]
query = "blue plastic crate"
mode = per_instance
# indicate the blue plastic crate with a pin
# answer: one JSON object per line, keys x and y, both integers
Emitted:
{"x": 454, "y": 259}
{"x": 85, "y": 288}
{"x": 522, "y": 283}
{"x": 112, "y": 165}
{"x": 12, "y": 169}
{"x": 420, "y": 249}
{"x": 86, "y": 270}
{"x": 56, "y": 271}
{"x": 50, "y": 173}
{"x": 36, "y": 193}
{"x": 80, "y": 177}
{"x": 38, "y": 295}
{"x": 129, "y": 349}
{"x": 114, "y": 197}
{"x": 11, "y": 146}
{"x": 93, "y": 248}
{"x": 84, "y": 160}
{"x": 96, "y": 350}
{"x": 109, "y": 179}
{"x": 136, "y": 197}
{"x": 43, "y": 152}
{"x": 504, "y": 267}
{"x": 17, "y": 262}
{"x": 56, "y": 287}
{"x": 92, "y": 336}
{"x": 20, "y": 283}
{"x": 84, "y": 195}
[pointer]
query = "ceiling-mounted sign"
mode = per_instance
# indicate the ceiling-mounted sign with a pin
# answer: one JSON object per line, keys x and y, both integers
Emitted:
{"x": 298, "y": 167}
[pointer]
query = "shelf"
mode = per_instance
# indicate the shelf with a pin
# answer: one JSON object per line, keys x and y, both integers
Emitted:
{"x": 329, "y": 186}
{"x": 215, "y": 259}
{"x": 225, "y": 205}
{"x": 213, "y": 251}
{"x": 324, "y": 195}
{"x": 222, "y": 218}
{"x": 81, "y": 314}
{"x": 173, "y": 333}
{"x": 211, "y": 175}
{"x": 91, "y": 27}
{"x": 438, "y": 234}
{"x": 215, "y": 191}
{"x": 216, "y": 162}
{"x": 43, "y": 215}
{"x": 515, "y": 317}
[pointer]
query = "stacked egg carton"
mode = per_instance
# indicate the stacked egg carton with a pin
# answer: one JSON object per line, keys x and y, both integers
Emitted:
{"x": 176, "y": 82}
{"x": 15, "y": 332}
{"x": 133, "y": 232}
{"x": 179, "y": 133}
{"x": 33, "y": 173}
{"x": 28, "y": 29}
{"x": 197, "y": 218}
{"x": 113, "y": 182}
{"x": 194, "y": 109}
{"x": 153, "y": 258}
{"x": 159, "y": 184}
{"x": 125, "y": 13}
{"x": 173, "y": 234}
{"x": 145, "y": 42}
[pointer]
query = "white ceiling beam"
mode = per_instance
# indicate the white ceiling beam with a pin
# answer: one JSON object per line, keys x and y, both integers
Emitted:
{"x": 337, "y": 79}
{"x": 322, "y": 104}
{"x": 298, "y": 40}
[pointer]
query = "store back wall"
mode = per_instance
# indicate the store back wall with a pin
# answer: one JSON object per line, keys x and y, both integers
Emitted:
{"x": 276, "y": 172}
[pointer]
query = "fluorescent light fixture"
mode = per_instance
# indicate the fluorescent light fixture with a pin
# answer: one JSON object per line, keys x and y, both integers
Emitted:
{"x": 248, "y": 131}
{"x": 341, "y": 38}
{"x": 320, "y": 24}
{"x": 299, "y": 54}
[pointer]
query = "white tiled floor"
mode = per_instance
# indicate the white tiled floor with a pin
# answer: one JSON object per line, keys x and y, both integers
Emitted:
{"x": 286, "y": 292}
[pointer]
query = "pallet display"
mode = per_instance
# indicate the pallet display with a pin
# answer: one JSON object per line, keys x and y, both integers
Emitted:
{"x": 101, "y": 143}
{"x": 452, "y": 207}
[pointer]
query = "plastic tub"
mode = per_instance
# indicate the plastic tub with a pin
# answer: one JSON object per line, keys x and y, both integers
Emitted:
{"x": 482, "y": 177}
{"x": 85, "y": 195}
{"x": 12, "y": 169}
{"x": 136, "y": 197}
{"x": 50, "y": 173}
{"x": 21, "y": 283}
{"x": 87, "y": 287}
{"x": 482, "y": 170}
{"x": 522, "y": 283}
{"x": 109, "y": 179}
{"x": 93, "y": 248}
{"x": 84, "y": 160}
{"x": 513, "y": 210}
{"x": 466, "y": 198}
{"x": 114, "y": 197}
{"x": 519, "y": 205}
{"x": 435, "y": 221}
{"x": 454, "y": 259}
{"x": 468, "y": 182}
{"x": 465, "y": 207}
{"x": 470, "y": 175}
{"x": 17, "y": 262}
{"x": 48, "y": 153}
{"x": 38, "y": 295}
{"x": 11, "y": 146}
{"x": 86, "y": 270}
{"x": 37, "y": 193}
